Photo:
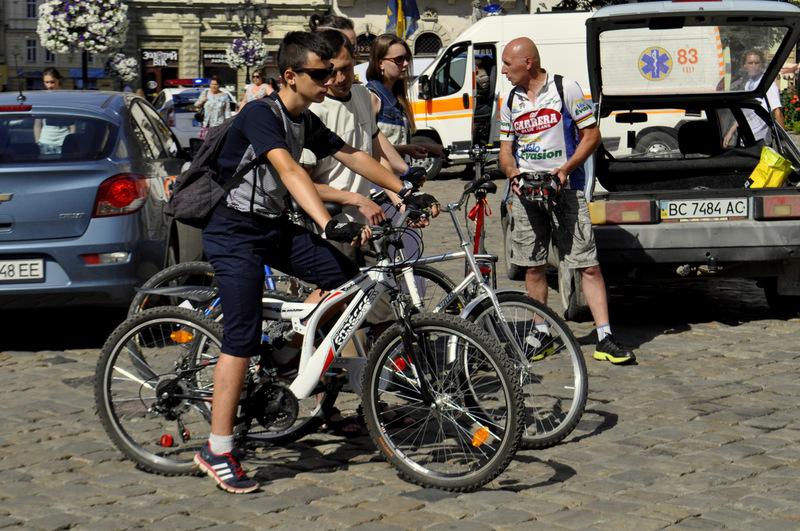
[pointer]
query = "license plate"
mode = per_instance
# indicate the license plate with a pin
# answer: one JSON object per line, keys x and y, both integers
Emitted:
{"x": 22, "y": 270}
{"x": 703, "y": 209}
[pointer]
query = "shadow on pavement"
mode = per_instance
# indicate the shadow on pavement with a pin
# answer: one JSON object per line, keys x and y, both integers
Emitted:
{"x": 57, "y": 329}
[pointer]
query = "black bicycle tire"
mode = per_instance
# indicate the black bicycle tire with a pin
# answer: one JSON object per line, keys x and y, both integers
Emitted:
{"x": 371, "y": 382}
{"x": 549, "y": 438}
{"x": 183, "y": 269}
{"x": 110, "y": 350}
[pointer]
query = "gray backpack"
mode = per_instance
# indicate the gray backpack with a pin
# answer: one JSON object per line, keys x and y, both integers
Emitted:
{"x": 197, "y": 191}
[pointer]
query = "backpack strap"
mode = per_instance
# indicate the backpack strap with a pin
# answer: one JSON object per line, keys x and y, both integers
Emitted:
{"x": 510, "y": 99}
{"x": 558, "y": 79}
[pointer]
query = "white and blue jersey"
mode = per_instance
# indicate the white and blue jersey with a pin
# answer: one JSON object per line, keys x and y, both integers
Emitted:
{"x": 542, "y": 130}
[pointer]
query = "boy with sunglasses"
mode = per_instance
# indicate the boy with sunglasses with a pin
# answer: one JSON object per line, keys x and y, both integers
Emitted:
{"x": 249, "y": 228}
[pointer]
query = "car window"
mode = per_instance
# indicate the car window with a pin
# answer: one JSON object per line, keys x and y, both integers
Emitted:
{"x": 653, "y": 133}
{"x": 54, "y": 138}
{"x": 184, "y": 102}
{"x": 449, "y": 76}
{"x": 145, "y": 133}
{"x": 163, "y": 132}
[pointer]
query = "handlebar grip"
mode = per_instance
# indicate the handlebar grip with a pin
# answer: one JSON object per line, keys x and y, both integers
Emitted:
{"x": 477, "y": 183}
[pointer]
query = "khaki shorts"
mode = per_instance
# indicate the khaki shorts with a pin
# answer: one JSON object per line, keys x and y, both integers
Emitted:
{"x": 568, "y": 225}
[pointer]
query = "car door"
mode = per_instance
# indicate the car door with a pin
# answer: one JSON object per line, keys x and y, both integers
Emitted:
{"x": 450, "y": 102}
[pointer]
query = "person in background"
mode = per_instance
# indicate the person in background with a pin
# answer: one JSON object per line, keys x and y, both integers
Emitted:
{"x": 50, "y": 133}
{"x": 387, "y": 75}
{"x": 335, "y": 22}
{"x": 216, "y": 106}
{"x": 753, "y": 65}
{"x": 257, "y": 89}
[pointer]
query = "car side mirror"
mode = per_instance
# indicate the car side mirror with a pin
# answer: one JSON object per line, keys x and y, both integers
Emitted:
{"x": 424, "y": 87}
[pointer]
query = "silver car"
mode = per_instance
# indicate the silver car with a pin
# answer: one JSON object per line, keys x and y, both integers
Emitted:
{"x": 84, "y": 177}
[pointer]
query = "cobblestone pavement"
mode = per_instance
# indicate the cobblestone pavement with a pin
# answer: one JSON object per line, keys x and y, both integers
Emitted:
{"x": 703, "y": 433}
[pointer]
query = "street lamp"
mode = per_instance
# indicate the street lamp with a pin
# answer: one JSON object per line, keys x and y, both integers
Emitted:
{"x": 251, "y": 18}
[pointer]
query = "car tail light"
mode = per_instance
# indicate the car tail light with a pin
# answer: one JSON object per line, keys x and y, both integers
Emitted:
{"x": 121, "y": 194}
{"x": 777, "y": 207}
{"x": 622, "y": 212}
{"x": 15, "y": 108}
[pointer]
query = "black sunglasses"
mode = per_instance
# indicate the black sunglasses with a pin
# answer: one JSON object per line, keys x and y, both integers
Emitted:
{"x": 317, "y": 74}
{"x": 399, "y": 60}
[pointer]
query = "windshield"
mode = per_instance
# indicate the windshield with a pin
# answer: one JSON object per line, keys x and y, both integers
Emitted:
{"x": 51, "y": 138}
{"x": 687, "y": 60}
{"x": 184, "y": 101}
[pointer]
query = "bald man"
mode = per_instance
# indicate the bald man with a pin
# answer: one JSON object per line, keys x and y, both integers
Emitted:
{"x": 541, "y": 131}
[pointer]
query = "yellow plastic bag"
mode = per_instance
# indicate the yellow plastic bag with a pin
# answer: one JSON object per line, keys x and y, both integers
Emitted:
{"x": 770, "y": 172}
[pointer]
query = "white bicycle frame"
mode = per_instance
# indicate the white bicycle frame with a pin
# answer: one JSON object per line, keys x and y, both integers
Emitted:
{"x": 365, "y": 289}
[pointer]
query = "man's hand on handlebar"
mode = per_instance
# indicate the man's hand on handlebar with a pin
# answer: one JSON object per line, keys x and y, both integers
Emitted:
{"x": 420, "y": 201}
{"x": 348, "y": 232}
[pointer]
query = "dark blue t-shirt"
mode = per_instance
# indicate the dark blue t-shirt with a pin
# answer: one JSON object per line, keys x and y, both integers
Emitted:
{"x": 256, "y": 131}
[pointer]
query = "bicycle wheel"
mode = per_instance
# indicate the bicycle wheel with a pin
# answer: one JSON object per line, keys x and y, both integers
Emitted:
{"x": 183, "y": 274}
{"x": 468, "y": 430}
{"x": 554, "y": 378}
{"x": 153, "y": 386}
{"x": 433, "y": 286}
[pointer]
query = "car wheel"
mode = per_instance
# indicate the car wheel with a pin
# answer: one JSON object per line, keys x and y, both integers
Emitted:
{"x": 514, "y": 272}
{"x": 431, "y": 165}
{"x": 657, "y": 144}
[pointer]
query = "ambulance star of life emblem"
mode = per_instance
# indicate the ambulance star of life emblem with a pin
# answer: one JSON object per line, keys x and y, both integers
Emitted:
{"x": 655, "y": 63}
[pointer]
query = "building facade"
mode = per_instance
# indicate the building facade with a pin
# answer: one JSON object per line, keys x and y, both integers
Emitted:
{"x": 185, "y": 39}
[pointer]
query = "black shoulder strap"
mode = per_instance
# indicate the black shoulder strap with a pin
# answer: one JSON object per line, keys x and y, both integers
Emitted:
{"x": 559, "y": 81}
{"x": 510, "y": 99}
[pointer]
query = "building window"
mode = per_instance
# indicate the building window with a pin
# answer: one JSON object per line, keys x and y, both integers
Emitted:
{"x": 49, "y": 57}
{"x": 30, "y": 47}
{"x": 30, "y": 6}
{"x": 363, "y": 45}
{"x": 427, "y": 44}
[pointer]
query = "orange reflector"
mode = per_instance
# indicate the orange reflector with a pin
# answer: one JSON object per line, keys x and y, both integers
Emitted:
{"x": 166, "y": 441}
{"x": 480, "y": 436}
{"x": 181, "y": 336}
{"x": 622, "y": 212}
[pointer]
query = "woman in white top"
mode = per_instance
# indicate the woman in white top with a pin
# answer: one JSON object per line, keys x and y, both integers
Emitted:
{"x": 49, "y": 135}
{"x": 258, "y": 89}
{"x": 216, "y": 106}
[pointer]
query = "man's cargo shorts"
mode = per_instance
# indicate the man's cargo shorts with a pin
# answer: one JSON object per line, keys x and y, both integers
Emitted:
{"x": 568, "y": 225}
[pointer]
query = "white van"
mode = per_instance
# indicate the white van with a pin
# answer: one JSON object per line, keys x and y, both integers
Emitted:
{"x": 451, "y": 110}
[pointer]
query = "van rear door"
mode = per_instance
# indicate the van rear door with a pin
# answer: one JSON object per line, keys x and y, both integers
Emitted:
{"x": 450, "y": 102}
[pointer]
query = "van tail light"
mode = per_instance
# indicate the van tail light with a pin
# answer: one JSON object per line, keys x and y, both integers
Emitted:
{"x": 777, "y": 207}
{"x": 623, "y": 212}
{"x": 121, "y": 194}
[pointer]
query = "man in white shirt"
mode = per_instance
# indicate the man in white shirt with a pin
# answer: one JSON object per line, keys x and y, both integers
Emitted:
{"x": 546, "y": 125}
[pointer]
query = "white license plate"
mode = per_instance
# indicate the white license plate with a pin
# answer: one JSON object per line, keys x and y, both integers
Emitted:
{"x": 21, "y": 270}
{"x": 703, "y": 209}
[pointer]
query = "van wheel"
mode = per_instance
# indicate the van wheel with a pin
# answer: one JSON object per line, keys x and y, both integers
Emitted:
{"x": 657, "y": 144}
{"x": 431, "y": 165}
{"x": 784, "y": 305}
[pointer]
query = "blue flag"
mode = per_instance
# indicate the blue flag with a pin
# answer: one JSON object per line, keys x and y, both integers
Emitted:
{"x": 411, "y": 14}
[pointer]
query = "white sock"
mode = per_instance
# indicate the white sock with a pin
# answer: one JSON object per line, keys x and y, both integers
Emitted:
{"x": 220, "y": 444}
{"x": 542, "y": 327}
{"x": 603, "y": 331}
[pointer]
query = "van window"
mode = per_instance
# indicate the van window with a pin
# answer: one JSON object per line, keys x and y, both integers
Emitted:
{"x": 53, "y": 138}
{"x": 450, "y": 75}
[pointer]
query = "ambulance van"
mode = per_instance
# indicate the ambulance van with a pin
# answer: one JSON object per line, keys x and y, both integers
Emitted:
{"x": 453, "y": 108}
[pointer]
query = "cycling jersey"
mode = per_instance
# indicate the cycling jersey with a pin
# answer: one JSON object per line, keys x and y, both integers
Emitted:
{"x": 542, "y": 130}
